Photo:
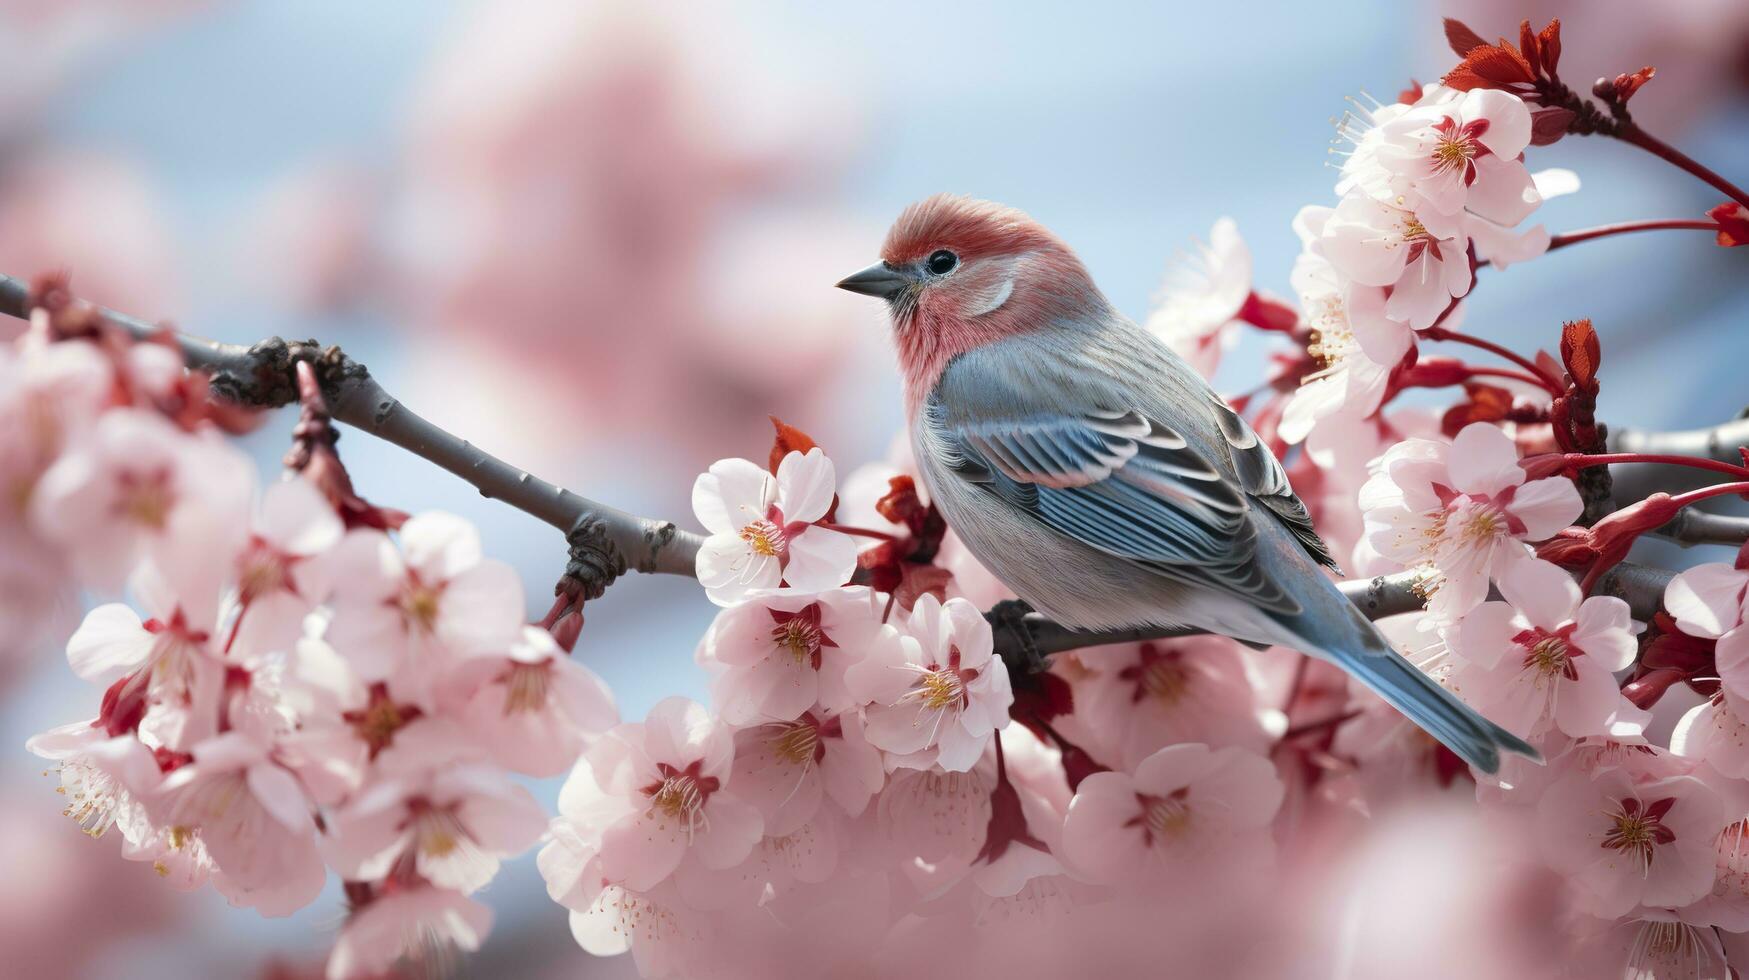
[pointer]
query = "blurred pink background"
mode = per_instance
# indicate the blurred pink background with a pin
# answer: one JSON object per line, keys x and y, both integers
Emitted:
{"x": 600, "y": 238}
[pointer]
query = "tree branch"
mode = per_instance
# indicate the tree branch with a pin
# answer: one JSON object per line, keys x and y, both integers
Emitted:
{"x": 1388, "y": 595}
{"x": 605, "y": 542}
{"x": 1717, "y": 442}
{"x": 1692, "y": 526}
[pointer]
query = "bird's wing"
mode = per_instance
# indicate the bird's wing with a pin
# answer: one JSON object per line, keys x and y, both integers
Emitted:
{"x": 1116, "y": 480}
{"x": 1261, "y": 475}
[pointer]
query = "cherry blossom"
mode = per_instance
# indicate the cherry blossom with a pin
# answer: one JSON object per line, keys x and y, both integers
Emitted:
{"x": 1716, "y": 731}
{"x": 763, "y": 529}
{"x": 1195, "y": 689}
{"x": 650, "y": 792}
{"x": 1544, "y": 657}
{"x": 1354, "y": 344}
{"x": 167, "y": 667}
{"x": 1183, "y": 803}
{"x": 421, "y": 923}
{"x": 252, "y": 818}
{"x": 1460, "y": 513}
{"x": 138, "y": 487}
{"x": 788, "y": 769}
{"x": 455, "y": 824}
{"x": 1462, "y": 152}
{"x": 102, "y": 777}
{"x": 275, "y": 587}
{"x": 533, "y": 708}
{"x": 934, "y": 692}
{"x": 1379, "y": 243}
{"x": 408, "y": 613}
{"x": 779, "y": 655}
{"x": 1203, "y": 294}
{"x": 1624, "y": 842}
{"x": 1708, "y": 600}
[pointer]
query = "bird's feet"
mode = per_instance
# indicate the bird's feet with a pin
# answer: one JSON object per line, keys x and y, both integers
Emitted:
{"x": 1015, "y": 643}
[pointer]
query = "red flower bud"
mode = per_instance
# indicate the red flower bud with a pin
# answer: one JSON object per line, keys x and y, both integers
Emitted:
{"x": 1733, "y": 221}
{"x": 1645, "y": 691}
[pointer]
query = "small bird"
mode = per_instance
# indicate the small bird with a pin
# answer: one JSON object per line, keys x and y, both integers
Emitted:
{"x": 1097, "y": 475}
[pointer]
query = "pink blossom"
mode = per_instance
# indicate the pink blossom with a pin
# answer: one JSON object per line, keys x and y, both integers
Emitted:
{"x": 275, "y": 586}
{"x": 934, "y": 816}
{"x": 139, "y": 487}
{"x": 608, "y": 919}
{"x": 660, "y": 932}
{"x": 1708, "y": 600}
{"x": 253, "y": 819}
{"x": 1355, "y": 346}
{"x": 788, "y": 769}
{"x": 454, "y": 824}
{"x": 1196, "y": 689}
{"x": 1184, "y": 803}
{"x": 1203, "y": 294}
{"x": 533, "y": 708}
{"x": 934, "y": 691}
{"x": 1716, "y": 732}
{"x": 1545, "y": 658}
{"x": 1460, "y": 153}
{"x": 762, "y": 528}
{"x": 779, "y": 655}
{"x": 1624, "y": 842}
{"x": 1375, "y": 242}
{"x": 421, "y": 923}
{"x": 648, "y": 793}
{"x": 168, "y": 667}
{"x": 101, "y": 776}
{"x": 1460, "y": 513}
{"x": 403, "y": 615}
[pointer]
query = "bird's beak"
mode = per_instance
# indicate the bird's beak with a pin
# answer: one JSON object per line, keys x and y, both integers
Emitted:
{"x": 880, "y": 280}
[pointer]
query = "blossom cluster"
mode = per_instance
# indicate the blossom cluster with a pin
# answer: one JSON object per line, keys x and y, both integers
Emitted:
{"x": 287, "y": 690}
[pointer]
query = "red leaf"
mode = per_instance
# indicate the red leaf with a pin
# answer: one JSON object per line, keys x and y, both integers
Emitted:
{"x": 1491, "y": 66}
{"x": 1549, "y": 125}
{"x": 1733, "y": 221}
{"x": 1549, "y": 41}
{"x": 901, "y": 503}
{"x": 1527, "y": 44}
{"x": 789, "y": 439}
{"x": 1581, "y": 353}
{"x": 1410, "y": 95}
{"x": 1484, "y": 403}
{"x": 1461, "y": 38}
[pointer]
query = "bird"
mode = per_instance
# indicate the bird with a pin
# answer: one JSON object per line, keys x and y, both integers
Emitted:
{"x": 1099, "y": 476}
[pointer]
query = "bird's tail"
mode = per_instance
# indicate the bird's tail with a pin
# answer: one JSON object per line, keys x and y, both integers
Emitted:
{"x": 1436, "y": 710}
{"x": 1338, "y": 632}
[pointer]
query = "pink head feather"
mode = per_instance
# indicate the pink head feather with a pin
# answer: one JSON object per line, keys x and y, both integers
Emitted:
{"x": 1013, "y": 276}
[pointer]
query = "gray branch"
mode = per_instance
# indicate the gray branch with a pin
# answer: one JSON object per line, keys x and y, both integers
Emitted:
{"x": 606, "y": 541}
{"x": 1388, "y": 595}
{"x": 1692, "y": 526}
{"x": 1719, "y": 442}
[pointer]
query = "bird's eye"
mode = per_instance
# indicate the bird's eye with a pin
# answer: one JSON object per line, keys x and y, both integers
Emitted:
{"x": 941, "y": 262}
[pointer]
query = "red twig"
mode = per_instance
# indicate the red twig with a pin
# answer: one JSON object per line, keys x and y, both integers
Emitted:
{"x": 1582, "y": 460}
{"x": 1552, "y": 385}
{"x": 1604, "y": 231}
{"x": 1631, "y": 133}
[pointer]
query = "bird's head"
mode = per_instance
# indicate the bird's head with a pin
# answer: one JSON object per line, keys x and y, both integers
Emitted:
{"x": 957, "y": 273}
